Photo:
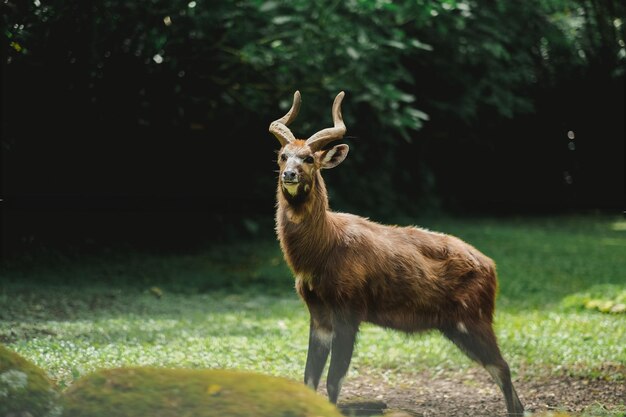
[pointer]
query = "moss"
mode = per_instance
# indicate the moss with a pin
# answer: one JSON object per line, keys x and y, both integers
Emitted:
{"x": 604, "y": 298}
{"x": 25, "y": 389}
{"x": 159, "y": 392}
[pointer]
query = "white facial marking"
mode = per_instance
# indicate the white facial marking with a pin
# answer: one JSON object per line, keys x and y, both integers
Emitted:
{"x": 461, "y": 327}
{"x": 291, "y": 188}
{"x": 324, "y": 336}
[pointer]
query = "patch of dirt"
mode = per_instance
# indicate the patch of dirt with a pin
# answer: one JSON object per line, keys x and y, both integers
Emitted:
{"x": 472, "y": 393}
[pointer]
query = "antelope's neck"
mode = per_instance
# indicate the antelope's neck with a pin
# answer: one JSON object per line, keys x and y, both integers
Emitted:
{"x": 305, "y": 231}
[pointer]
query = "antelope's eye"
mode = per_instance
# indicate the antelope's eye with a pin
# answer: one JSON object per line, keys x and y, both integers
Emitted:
{"x": 283, "y": 157}
{"x": 308, "y": 159}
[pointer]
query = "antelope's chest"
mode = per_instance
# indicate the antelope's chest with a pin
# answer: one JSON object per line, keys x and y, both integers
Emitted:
{"x": 327, "y": 294}
{"x": 303, "y": 256}
{"x": 302, "y": 284}
{"x": 311, "y": 290}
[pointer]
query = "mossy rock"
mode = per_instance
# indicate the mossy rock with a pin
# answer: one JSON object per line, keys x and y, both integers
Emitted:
{"x": 25, "y": 389}
{"x": 158, "y": 392}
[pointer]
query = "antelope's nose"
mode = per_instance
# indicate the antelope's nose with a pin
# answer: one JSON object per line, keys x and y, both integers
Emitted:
{"x": 290, "y": 176}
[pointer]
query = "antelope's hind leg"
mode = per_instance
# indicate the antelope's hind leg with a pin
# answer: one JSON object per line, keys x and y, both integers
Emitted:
{"x": 478, "y": 342}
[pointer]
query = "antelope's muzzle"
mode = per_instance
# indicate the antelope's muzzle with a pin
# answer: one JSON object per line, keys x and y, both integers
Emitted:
{"x": 290, "y": 177}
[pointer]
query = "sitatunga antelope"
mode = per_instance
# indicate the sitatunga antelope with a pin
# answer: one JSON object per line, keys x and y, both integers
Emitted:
{"x": 349, "y": 269}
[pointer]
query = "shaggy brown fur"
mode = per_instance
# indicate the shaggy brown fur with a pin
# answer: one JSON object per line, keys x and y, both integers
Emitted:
{"x": 405, "y": 278}
{"x": 350, "y": 270}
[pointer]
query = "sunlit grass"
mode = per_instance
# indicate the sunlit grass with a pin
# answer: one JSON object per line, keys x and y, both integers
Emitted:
{"x": 199, "y": 331}
{"x": 234, "y": 307}
{"x": 541, "y": 260}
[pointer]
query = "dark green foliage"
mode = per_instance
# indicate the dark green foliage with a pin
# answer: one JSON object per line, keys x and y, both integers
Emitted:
{"x": 134, "y": 105}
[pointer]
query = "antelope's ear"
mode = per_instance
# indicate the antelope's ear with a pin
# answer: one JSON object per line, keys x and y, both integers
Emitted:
{"x": 334, "y": 156}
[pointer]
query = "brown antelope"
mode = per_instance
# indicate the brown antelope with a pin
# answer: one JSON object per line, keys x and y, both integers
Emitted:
{"x": 349, "y": 269}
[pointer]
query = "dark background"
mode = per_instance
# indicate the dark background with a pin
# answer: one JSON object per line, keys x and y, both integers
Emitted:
{"x": 144, "y": 124}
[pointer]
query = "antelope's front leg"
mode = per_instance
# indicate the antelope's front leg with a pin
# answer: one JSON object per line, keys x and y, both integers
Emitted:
{"x": 319, "y": 346}
{"x": 344, "y": 336}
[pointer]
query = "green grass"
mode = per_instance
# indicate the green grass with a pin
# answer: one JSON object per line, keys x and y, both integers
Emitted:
{"x": 234, "y": 306}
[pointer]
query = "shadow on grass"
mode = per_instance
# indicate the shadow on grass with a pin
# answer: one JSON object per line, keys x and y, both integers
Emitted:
{"x": 362, "y": 408}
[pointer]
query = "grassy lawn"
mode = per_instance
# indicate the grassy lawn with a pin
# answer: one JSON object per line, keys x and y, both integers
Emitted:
{"x": 233, "y": 306}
